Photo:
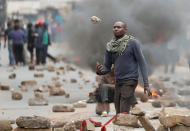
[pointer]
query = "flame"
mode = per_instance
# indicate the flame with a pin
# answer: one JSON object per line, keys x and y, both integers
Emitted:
{"x": 155, "y": 94}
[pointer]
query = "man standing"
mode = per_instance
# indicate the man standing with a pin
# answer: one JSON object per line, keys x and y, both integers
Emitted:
{"x": 17, "y": 36}
{"x": 7, "y": 40}
{"x": 125, "y": 53}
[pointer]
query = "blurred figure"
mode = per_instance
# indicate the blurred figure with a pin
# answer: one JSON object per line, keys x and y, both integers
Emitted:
{"x": 38, "y": 37}
{"x": 30, "y": 46}
{"x": 7, "y": 40}
{"x": 105, "y": 91}
{"x": 17, "y": 36}
{"x": 46, "y": 42}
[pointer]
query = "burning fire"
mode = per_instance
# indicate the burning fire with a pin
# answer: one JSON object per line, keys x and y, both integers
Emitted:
{"x": 153, "y": 93}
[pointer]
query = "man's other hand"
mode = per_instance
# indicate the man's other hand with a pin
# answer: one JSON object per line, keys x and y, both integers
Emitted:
{"x": 99, "y": 68}
{"x": 147, "y": 91}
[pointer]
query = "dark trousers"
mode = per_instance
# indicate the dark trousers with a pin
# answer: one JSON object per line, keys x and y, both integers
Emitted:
{"x": 124, "y": 95}
{"x": 39, "y": 55}
{"x": 44, "y": 55}
{"x": 18, "y": 53}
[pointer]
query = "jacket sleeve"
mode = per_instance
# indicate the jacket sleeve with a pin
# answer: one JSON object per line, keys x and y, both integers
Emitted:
{"x": 141, "y": 61}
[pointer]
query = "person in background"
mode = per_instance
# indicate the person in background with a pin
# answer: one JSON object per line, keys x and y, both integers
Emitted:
{"x": 46, "y": 42}
{"x": 17, "y": 36}
{"x": 38, "y": 38}
{"x": 105, "y": 91}
{"x": 30, "y": 41}
{"x": 8, "y": 41}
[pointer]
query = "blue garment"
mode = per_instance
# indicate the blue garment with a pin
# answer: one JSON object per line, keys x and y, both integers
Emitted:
{"x": 126, "y": 65}
{"x": 11, "y": 57}
{"x": 17, "y": 36}
{"x": 39, "y": 37}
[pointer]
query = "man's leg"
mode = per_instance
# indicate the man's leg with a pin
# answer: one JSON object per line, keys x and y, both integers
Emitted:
{"x": 37, "y": 56}
{"x": 117, "y": 99}
{"x": 127, "y": 96}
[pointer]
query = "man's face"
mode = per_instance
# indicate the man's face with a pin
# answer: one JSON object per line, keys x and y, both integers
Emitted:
{"x": 119, "y": 29}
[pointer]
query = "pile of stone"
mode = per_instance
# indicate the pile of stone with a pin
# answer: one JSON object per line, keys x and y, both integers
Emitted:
{"x": 131, "y": 120}
{"x": 38, "y": 100}
{"x": 35, "y": 123}
{"x": 174, "y": 119}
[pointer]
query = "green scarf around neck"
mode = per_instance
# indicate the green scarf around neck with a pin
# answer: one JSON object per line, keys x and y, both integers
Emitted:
{"x": 118, "y": 46}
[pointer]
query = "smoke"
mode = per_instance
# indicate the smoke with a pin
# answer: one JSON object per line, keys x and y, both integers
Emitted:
{"x": 149, "y": 21}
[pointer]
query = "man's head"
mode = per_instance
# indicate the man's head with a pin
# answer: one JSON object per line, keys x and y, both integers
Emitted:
{"x": 16, "y": 24}
{"x": 119, "y": 29}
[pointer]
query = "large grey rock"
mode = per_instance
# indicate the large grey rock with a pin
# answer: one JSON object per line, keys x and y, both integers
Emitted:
{"x": 154, "y": 115}
{"x": 36, "y": 122}
{"x": 58, "y": 123}
{"x": 24, "y": 129}
{"x": 126, "y": 120}
{"x": 57, "y": 91}
{"x": 184, "y": 91}
{"x": 5, "y": 125}
{"x": 63, "y": 108}
{"x": 168, "y": 103}
{"x": 16, "y": 95}
{"x": 146, "y": 123}
{"x": 12, "y": 76}
{"x": 170, "y": 117}
{"x": 180, "y": 128}
{"x": 69, "y": 127}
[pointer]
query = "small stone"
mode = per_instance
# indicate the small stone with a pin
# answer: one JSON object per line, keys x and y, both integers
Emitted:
{"x": 55, "y": 78}
{"x": 12, "y": 76}
{"x": 137, "y": 111}
{"x": 29, "y": 83}
{"x": 57, "y": 91}
{"x": 5, "y": 125}
{"x": 67, "y": 95}
{"x": 51, "y": 68}
{"x": 70, "y": 68}
{"x": 73, "y": 80}
{"x": 80, "y": 104}
{"x": 39, "y": 69}
{"x": 4, "y": 87}
{"x": 37, "y": 101}
{"x": 57, "y": 83}
{"x": 38, "y": 75}
{"x": 35, "y": 122}
{"x": 42, "y": 89}
{"x": 24, "y": 88}
{"x": 16, "y": 95}
{"x": 25, "y": 129}
{"x": 95, "y": 19}
{"x": 63, "y": 108}
{"x": 156, "y": 103}
{"x": 31, "y": 67}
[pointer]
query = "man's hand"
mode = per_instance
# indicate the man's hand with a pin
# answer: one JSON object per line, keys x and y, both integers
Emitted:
{"x": 99, "y": 68}
{"x": 147, "y": 91}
